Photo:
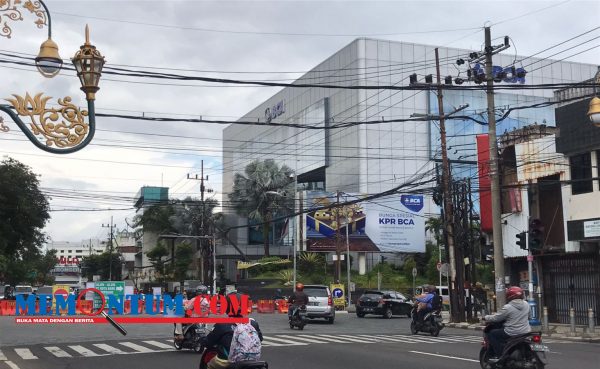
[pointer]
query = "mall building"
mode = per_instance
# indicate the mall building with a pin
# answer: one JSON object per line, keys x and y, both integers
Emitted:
{"x": 371, "y": 158}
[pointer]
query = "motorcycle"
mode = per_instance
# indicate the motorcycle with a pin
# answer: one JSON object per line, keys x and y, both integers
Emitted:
{"x": 520, "y": 352}
{"x": 192, "y": 336}
{"x": 432, "y": 322}
{"x": 298, "y": 318}
{"x": 209, "y": 353}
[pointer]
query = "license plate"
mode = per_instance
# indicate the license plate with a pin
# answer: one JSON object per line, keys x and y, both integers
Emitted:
{"x": 314, "y": 304}
{"x": 539, "y": 348}
{"x": 368, "y": 309}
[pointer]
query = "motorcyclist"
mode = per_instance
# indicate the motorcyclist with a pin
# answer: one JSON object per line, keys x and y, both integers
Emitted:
{"x": 221, "y": 336}
{"x": 515, "y": 318}
{"x": 425, "y": 302}
{"x": 298, "y": 299}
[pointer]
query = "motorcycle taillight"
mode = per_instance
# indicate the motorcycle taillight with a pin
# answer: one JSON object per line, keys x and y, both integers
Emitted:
{"x": 537, "y": 338}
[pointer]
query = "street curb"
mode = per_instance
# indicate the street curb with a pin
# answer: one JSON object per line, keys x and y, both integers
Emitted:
{"x": 564, "y": 337}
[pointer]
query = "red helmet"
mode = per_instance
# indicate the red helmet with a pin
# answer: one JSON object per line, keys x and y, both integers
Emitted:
{"x": 514, "y": 292}
{"x": 299, "y": 286}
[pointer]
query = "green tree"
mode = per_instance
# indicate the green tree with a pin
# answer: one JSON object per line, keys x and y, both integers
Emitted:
{"x": 253, "y": 195}
{"x": 99, "y": 264}
{"x": 23, "y": 214}
{"x": 156, "y": 256}
{"x": 183, "y": 258}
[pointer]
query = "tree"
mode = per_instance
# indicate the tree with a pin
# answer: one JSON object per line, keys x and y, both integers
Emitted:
{"x": 183, "y": 258}
{"x": 99, "y": 264}
{"x": 253, "y": 195}
{"x": 23, "y": 214}
{"x": 156, "y": 256}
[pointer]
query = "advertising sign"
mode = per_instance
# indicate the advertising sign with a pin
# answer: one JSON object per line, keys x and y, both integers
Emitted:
{"x": 59, "y": 289}
{"x": 108, "y": 288}
{"x": 591, "y": 229}
{"x": 394, "y": 223}
{"x": 338, "y": 295}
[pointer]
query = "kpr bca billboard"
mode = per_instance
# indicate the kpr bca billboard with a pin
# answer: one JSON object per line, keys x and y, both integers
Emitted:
{"x": 393, "y": 223}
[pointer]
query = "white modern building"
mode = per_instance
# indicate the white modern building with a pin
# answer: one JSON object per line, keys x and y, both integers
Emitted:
{"x": 69, "y": 256}
{"x": 370, "y": 158}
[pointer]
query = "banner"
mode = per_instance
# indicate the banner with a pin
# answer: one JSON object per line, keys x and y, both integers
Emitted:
{"x": 246, "y": 265}
{"x": 60, "y": 289}
{"x": 394, "y": 223}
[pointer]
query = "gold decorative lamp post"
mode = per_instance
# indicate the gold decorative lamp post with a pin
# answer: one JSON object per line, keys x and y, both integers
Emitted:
{"x": 60, "y": 130}
{"x": 594, "y": 111}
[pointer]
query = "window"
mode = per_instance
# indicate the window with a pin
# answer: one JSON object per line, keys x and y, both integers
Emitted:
{"x": 581, "y": 173}
{"x": 70, "y": 251}
{"x": 598, "y": 166}
{"x": 78, "y": 251}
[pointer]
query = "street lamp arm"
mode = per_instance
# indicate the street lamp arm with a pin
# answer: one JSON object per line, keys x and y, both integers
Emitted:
{"x": 64, "y": 127}
{"x": 48, "y": 17}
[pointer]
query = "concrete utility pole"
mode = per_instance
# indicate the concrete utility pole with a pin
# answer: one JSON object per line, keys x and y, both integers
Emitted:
{"x": 448, "y": 212}
{"x": 338, "y": 262}
{"x": 110, "y": 247}
{"x": 203, "y": 265}
{"x": 494, "y": 175}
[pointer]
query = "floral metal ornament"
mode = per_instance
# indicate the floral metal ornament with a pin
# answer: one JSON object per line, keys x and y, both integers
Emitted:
{"x": 63, "y": 128}
{"x": 9, "y": 11}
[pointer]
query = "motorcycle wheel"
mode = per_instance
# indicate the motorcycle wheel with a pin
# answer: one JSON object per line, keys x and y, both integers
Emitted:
{"x": 291, "y": 325}
{"x": 413, "y": 328}
{"x": 301, "y": 327}
{"x": 387, "y": 314}
{"x": 198, "y": 348}
{"x": 178, "y": 345}
{"x": 435, "y": 330}
{"x": 483, "y": 359}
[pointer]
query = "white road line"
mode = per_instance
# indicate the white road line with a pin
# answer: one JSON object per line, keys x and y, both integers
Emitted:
{"x": 83, "y": 351}
{"x": 396, "y": 339}
{"x": 2, "y": 357}
{"x": 54, "y": 350}
{"x": 306, "y": 339}
{"x": 12, "y": 365}
{"x": 108, "y": 348}
{"x": 444, "y": 356}
{"x": 329, "y": 338}
{"x": 159, "y": 344}
{"x": 359, "y": 339}
{"x": 424, "y": 339}
{"x": 25, "y": 354}
{"x": 136, "y": 347}
{"x": 276, "y": 341}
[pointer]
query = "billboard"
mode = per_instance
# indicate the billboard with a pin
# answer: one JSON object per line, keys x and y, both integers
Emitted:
{"x": 394, "y": 223}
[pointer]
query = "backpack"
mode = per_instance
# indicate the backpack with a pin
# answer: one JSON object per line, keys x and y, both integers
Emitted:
{"x": 436, "y": 302}
{"x": 245, "y": 344}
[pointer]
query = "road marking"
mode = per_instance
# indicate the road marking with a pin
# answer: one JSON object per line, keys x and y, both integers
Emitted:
{"x": 444, "y": 356}
{"x": 274, "y": 341}
{"x": 25, "y": 354}
{"x": 359, "y": 339}
{"x": 159, "y": 344}
{"x": 329, "y": 338}
{"x": 83, "y": 351}
{"x": 427, "y": 339}
{"x": 396, "y": 339}
{"x": 136, "y": 347}
{"x": 12, "y": 365}
{"x": 54, "y": 350}
{"x": 108, "y": 348}
{"x": 312, "y": 340}
{"x": 2, "y": 357}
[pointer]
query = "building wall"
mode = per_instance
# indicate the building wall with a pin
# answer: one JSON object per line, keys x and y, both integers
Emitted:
{"x": 377, "y": 157}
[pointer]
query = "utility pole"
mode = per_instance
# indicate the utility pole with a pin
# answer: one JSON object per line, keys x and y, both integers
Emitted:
{"x": 338, "y": 264}
{"x": 494, "y": 175}
{"x": 110, "y": 247}
{"x": 203, "y": 265}
{"x": 448, "y": 212}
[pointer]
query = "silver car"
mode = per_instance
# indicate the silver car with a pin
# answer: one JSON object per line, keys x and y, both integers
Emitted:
{"x": 320, "y": 303}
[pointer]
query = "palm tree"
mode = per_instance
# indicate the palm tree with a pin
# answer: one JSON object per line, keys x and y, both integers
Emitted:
{"x": 253, "y": 193}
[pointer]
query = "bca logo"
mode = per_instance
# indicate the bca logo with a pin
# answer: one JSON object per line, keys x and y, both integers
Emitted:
{"x": 412, "y": 202}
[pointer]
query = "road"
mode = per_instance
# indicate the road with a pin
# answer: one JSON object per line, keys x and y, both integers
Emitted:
{"x": 349, "y": 343}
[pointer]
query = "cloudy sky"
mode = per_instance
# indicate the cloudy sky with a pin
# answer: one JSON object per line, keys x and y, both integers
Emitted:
{"x": 214, "y": 39}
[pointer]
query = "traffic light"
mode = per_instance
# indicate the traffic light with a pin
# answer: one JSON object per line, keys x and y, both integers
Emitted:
{"x": 522, "y": 240}
{"x": 413, "y": 78}
{"x": 536, "y": 233}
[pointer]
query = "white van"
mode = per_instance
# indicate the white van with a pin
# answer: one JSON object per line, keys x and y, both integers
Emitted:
{"x": 440, "y": 290}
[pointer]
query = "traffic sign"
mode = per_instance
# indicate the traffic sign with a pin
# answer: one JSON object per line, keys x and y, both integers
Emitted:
{"x": 337, "y": 294}
{"x": 108, "y": 288}
{"x": 414, "y": 272}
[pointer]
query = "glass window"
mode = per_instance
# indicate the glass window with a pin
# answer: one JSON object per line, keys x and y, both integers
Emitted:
{"x": 581, "y": 173}
{"x": 78, "y": 251}
{"x": 70, "y": 251}
{"x": 598, "y": 167}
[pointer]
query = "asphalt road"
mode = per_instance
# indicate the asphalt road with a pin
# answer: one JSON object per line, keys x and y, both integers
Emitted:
{"x": 349, "y": 343}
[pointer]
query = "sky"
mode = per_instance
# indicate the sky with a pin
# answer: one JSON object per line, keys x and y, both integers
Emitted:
{"x": 263, "y": 39}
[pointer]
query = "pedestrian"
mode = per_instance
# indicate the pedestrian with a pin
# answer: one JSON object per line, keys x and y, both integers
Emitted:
{"x": 480, "y": 296}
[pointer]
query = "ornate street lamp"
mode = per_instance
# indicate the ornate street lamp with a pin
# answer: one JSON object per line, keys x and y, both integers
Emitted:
{"x": 594, "y": 111}
{"x": 63, "y": 128}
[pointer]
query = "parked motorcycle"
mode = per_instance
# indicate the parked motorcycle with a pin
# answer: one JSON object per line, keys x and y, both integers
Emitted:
{"x": 192, "y": 336}
{"x": 432, "y": 322}
{"x": 520, "y": 352}
{"x": 209, "y": 353}
{"x": 298, "y": 318}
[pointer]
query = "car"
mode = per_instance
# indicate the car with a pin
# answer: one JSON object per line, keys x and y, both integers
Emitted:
{"x": 320, "y": 303}
{"x": 384, "y": 303}
{"x": 23, "y": 290}
{"x": 44, "y": 290}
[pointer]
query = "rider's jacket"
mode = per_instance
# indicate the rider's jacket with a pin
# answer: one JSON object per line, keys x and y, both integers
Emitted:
{"x": 299, "y": 298}
{"x": 514, "y": 316}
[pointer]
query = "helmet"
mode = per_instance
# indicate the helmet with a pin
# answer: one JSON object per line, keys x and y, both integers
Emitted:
{"x": 201, "y": 290}
{"x": 514, "y": 292}
{"x": 299, "y": 286}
